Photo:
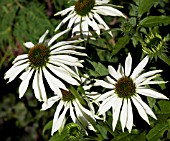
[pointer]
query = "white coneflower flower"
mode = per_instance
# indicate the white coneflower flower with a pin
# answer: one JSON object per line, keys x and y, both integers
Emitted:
{"x": 126, "y": 87}
{"x": 67, "y": 102}
{"x": 46, "y": 60}
{"x": 87, "y": 13}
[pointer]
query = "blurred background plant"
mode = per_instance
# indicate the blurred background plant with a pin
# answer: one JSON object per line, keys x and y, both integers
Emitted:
{"x": 27, "y": 20}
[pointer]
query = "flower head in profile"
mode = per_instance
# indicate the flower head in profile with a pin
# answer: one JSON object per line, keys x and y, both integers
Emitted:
{"x": 53, "y": 62}
{"x": 68, "y": 102}
{"x": 127, "y": 86}
{"x": 155, "y": 46}
{"x": 85, "y": 14}
{"x": 74, "y": 131}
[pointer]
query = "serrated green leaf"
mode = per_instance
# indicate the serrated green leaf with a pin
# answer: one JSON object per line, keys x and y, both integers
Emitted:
{"x": 145, "y": 6}
{"x": 121, "y": 43}
{"x": 152, "y": 21}
{"x": 100, "y": 69}
{"x": 162, "y": 107}
{"x": 158, "y": 131}
{"x": 151, "y": 101}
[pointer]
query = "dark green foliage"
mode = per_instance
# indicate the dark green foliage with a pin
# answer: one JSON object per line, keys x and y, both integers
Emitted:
{"x": 27, "y": 20}
{"x": 21, "y": 21}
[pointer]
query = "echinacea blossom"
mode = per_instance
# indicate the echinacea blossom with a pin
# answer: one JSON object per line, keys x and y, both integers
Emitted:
{"x": 85, "y": 14}
{"x": 127, "y": 86}
{"x": 67, "y": 102}
{"x": 53, "y": 62}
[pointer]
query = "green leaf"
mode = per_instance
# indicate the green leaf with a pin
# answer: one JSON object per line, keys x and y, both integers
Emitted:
{"x": 158, "y": 131}
{"x": 102, "y": 131}
{"x": 151, "y": 101}
{"x": 134, "y": 136}
{"x": 59, "y": 137}
{"x": 145, "y": 5}
{"x": 162, "y": 107}
{"x": 47, "y": 127}
{"x": 121, "y": 43}
{"x": 164, "y": 58}
{"x": 154, "y": 21}
{"x": 100, "y": 69}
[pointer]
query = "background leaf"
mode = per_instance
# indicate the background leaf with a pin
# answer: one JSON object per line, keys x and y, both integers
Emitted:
{"x": 145, "y": 5}
{"x": 152, "y": 21}
{"x": 158, "y": 131}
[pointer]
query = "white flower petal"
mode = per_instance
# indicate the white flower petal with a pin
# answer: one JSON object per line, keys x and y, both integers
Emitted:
{"x": 85, "y": 26}
{"x": 101, "y": 21}
{"x": 150, "y": 93}
{"x": 36, "y": 87}
{"x": 72, "y": 21}
{"x": 124, "y": 114}
{"x": 93, "y": 24}
{"x": 42, "y": 87}
{"x": 42, "y": 37}
{"x": 102, "y": 1}
{"x": 20, "y": 57}
{"x": 62, "y": 117}
{"x": 128, "y": 65}
{"x": 49, "y": 103}
{"x": 64, "y": 21}
{"x": 76, "y": 28}
{"x": 52, "y": 81}
{"x": 63, "y": 75}
{"x": 66, "y": 59}
{"x": 65, "y": 11}
{"x": 20, "y": 62}
{"x": 58, "y": 120}
{"x": 66, "y": 68}
{"x": 70, "y": 63}
{"x": 139, "y": 67}
{"x": 120, "y": 70}
{"x": 72, "y": 114}
{"x": 24, "y": 84}
{"x": 29, "y": 44}
{"x": 13, "y": 72}
{"x": 108, "y": 11}
{"x": 113, "y": 73}
{"x": 112, "y": 81}
{"x": 152, "y": 82}
{"x": 140, "y": 109}
{"x": 87, "y": 117}
{"x": 145, "y": 106}
{"x": 80, "y": 115}
{"x": 66, "y": 45}
{"x": 146, "y": 74}
{"x": 106, "y": 104}
{"x": 105, "y": 95}
{"x": 129, "y": 123}
{"x": 103, "y": 84}
{"x": 116, "y": 112}
{"x": 68, "y": 52}
{"x": 147, "y": 81}
{"x": 56, "y": 36}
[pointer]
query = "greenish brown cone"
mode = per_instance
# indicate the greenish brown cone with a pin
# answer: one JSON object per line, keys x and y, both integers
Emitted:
{"x": 38, "y": 55}
{"x": 83, "y": 7}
